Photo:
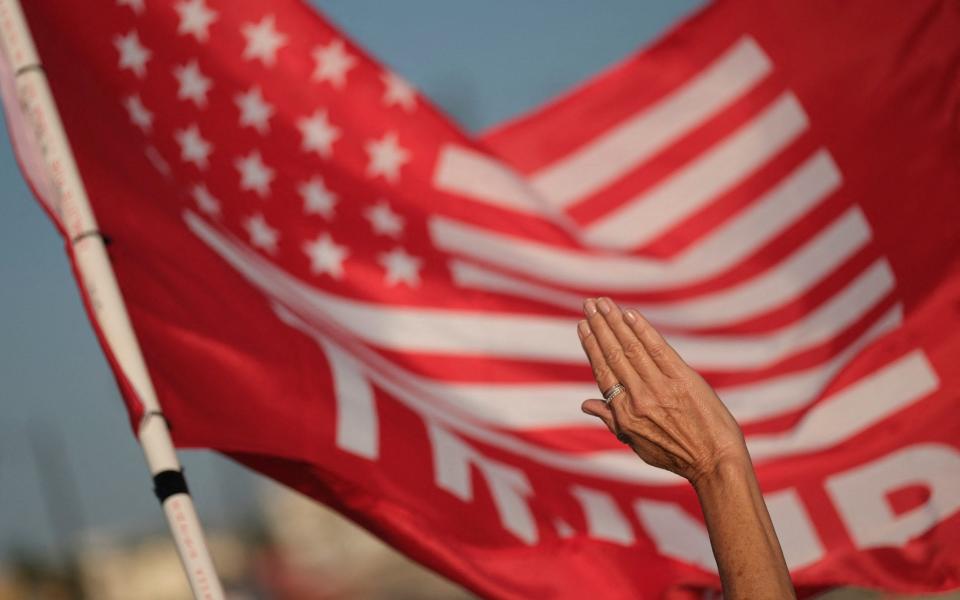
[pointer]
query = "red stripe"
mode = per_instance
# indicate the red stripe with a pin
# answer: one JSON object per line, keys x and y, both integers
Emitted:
{"x": 532, "y": 142}
{"x": 643, "y": 177}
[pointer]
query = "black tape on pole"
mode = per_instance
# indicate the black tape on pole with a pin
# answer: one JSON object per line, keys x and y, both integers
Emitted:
{"x": 28, "y": 69}
{"x": 91, "y": 233}
{"x": 169, "y": 483}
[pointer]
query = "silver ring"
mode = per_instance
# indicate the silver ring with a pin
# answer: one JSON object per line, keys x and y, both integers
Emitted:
{"x": 613, "y": 392}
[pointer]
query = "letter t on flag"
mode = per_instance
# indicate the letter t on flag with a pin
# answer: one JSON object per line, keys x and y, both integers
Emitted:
{"x": 335, "y": 285}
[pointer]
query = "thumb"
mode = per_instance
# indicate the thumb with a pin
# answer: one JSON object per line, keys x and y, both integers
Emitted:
{"x": 600, "y": 409}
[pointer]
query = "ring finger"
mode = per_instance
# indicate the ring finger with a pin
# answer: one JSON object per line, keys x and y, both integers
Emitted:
{"x": 604, "y": 375}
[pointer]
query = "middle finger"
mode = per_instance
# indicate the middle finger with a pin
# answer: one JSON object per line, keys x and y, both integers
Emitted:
{"x": 633, "y": 348}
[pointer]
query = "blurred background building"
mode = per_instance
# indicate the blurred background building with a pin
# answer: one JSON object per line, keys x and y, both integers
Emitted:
{"x": 290, "y": 549}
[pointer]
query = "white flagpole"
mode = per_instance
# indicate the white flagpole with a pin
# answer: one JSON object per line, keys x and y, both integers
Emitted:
{"x": 97, "y": 281}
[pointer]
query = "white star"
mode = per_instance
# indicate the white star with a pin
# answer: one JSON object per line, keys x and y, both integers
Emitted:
{"x": 133, "y": 55}
{"x": 263, "y": 41}
{"x": 254, "y": 110}
{"x": 333, "y": 62}
{"x": 326, "y": 256}
{"x": 317, "y": 199}
{"x": 193, "y": 148}
{"x": 401, "y": 267}
{"x": 195, "y": 19}
{"x": 205, "y": 200}
{"x": 139, "y": 115}
{"x": 194, "y": 85}
{"x": 136, "y": 5}
{"x": 398, "y": 91}
{"x": 261, "y": 234}
{"x": 386, "y": 157}
{"x": 318, "y": 134}
{"x": 383, "y": 220}
{"x": 254, "y": 175}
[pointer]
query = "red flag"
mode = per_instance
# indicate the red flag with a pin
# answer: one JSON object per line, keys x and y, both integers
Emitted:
{"x": 335, "y": 285}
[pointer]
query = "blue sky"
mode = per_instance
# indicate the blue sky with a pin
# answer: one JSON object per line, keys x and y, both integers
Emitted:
{"x": 482, "y": 62}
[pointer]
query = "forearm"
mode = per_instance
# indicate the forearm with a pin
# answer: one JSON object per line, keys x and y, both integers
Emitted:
{"x": 744, "y": 542}
{"x": 672, "y": 418}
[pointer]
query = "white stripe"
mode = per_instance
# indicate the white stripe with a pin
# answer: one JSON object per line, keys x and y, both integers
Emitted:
{"x": 853, "y": 409}
{"x": 731, "y": 353}
{"x": 786, "y": 281}
{"x": 469, "y": 275}
{"x": 778, "y": 395}
{"x": 520, "y": 405}
{"x": 531, "y": 337}
{"x": 692, "y": 187}
{"x": 789, "y": 280}
{"x": 467, "y": 172}
{"x": 738, "y": 238}
{"x": 612, "y": 154}
{"x": 546, "y": 405}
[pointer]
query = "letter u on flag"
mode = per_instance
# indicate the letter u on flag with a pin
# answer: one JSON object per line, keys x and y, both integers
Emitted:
{"x": 335, "y": 285}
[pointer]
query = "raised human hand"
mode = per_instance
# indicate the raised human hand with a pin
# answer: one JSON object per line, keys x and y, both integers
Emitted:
{"x": 667, "y": 413}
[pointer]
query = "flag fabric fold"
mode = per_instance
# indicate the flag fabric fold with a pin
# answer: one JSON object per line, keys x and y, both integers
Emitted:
{"x": 335, "y": 285}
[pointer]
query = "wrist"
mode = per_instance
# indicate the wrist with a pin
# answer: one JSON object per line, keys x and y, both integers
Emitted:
{"x": 723, "y": 469}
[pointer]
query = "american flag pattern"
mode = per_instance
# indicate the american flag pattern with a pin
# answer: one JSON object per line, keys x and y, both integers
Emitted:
{"x": 764, "y": 269}
{"x": 444, "y": 274}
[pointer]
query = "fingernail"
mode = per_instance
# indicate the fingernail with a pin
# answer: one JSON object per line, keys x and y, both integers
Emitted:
{"x": 630, "y": 315}
{"x": 589, "y": 307}
{"x": 605, "y": 305}
{"x": 583, "y": 328}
